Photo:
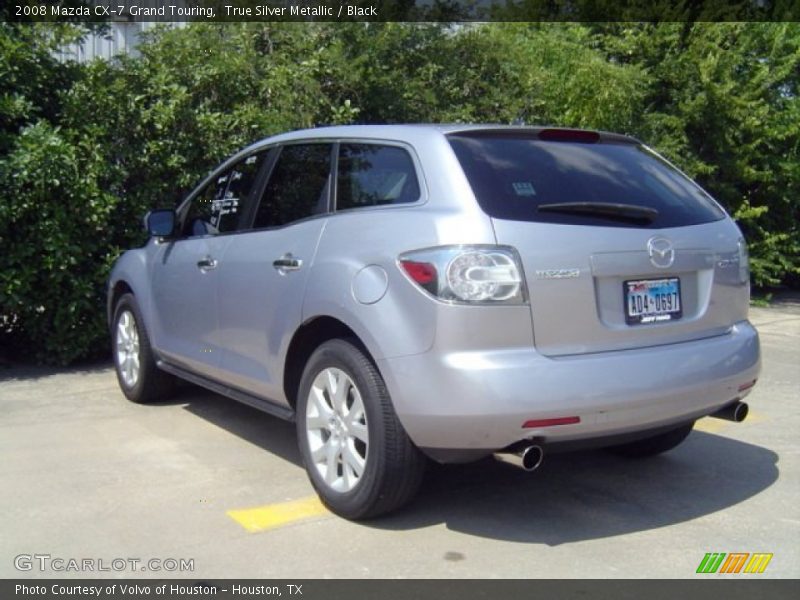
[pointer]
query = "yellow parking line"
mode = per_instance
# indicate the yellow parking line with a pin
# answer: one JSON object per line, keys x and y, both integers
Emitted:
{"x": 712, "y": 425}
{"x": 271, "y": 516}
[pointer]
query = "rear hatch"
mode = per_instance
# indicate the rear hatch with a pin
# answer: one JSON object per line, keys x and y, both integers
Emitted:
{"x": 620, "y": 250}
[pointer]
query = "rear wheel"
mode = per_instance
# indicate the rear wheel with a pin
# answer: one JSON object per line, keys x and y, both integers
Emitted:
{"x": 139, "y": 378}
{"x": 357, "y": 454}
{"x": 654, "y": 445}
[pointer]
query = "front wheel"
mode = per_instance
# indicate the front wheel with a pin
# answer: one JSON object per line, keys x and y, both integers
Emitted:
{"x": 654, "y": 445}
{"x": 357, "y": 454}
{"x": 139, "y": 378}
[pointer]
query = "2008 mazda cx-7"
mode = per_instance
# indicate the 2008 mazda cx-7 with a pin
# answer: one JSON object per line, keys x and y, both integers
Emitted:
{"x": 410, "y": 292}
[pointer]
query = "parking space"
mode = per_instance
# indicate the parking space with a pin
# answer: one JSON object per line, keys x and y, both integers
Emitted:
{"x": 86, "y": 474}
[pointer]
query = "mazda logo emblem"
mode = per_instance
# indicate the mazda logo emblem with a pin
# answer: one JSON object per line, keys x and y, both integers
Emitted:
{"x": 661, "y": 252}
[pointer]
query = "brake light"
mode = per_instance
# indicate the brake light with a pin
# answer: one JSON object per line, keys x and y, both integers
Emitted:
{"x": 468, "y": 274}
{"x": 422, "y": 273}
{"x": 569, "y": 135}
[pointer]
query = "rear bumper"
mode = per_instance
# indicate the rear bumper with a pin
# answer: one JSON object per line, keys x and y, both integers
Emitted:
{"x": 478, "y": 401}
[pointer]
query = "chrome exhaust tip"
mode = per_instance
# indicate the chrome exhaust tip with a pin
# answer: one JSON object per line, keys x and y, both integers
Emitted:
{"x": 735, "y": 411}
{"x": 528, "y": 458}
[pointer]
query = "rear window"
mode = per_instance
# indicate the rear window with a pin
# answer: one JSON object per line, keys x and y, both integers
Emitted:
{"x": 374, "y": 175}
{"x": 603, "y": 183}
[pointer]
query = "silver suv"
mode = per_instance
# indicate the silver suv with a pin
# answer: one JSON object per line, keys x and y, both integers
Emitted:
{"x": 448, "y": 292}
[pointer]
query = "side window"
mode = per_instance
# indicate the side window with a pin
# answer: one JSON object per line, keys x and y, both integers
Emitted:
{"x": 372, "y": 175}
{"x": 298, "y": 187}
{"x": 222, "y": 205}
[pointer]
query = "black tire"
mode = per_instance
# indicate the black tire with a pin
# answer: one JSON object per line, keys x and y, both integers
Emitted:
{"x": 654, "y": 445}
{"x": 152, "y": 384}
{"x": 393, "y": 468}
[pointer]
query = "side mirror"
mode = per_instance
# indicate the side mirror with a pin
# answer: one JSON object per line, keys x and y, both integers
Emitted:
{"x": 160, "y": 223}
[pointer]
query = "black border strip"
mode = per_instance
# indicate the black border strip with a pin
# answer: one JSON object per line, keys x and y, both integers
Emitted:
{"x": 705, "y": 587}
{"x": 267, "y": 11}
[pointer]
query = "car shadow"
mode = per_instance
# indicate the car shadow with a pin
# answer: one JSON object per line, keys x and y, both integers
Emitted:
{"x": 12, "y": 372}
{"x": 274, "y": 435}
{"x": 591, "y": 494}
{"x": 572, "y": 497}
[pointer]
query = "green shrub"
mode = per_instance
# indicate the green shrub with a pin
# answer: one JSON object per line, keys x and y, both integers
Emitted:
{"x": 85, "y": 150}
{"x": 54, "y": 225}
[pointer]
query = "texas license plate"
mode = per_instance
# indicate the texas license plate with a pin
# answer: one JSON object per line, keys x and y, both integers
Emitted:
{"x": 652, "y": 300}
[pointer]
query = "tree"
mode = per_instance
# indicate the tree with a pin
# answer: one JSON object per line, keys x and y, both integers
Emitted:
{"x": 85, "y": 150}
{"x": 722, "y": 102}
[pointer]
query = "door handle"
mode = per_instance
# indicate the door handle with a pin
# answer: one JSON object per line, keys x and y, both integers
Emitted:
{"x": 287, "y": 262}
{"x": 207, "y": 264}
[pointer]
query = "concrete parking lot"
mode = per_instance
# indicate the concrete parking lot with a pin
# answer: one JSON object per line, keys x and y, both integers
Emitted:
{"x": 86, "y": 474}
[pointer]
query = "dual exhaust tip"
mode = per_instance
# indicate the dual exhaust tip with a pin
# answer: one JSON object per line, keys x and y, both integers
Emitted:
{"x": 528, "y": 458}
{"x": 735, "y": 411}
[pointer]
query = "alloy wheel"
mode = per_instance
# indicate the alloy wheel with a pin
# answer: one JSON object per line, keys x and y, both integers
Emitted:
{"x": 127, "y": 345}
{"x": 337, "y": 431}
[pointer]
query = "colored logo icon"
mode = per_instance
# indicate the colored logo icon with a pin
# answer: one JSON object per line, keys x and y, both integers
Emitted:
{"x": 734, "y": 562}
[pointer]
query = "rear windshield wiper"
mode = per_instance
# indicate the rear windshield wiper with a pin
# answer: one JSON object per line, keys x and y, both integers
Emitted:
{"x": 606, "y": 210}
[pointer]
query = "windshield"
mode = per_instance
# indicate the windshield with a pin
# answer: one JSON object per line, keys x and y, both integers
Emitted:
{"x": 523, "y": 178}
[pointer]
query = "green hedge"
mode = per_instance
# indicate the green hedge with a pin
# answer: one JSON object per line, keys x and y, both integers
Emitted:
{"x": 85, "y": 150}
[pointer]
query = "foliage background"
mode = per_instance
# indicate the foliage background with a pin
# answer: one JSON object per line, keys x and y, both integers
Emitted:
{"x": 85, "y": 150}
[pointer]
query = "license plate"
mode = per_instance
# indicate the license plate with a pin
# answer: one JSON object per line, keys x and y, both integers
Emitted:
{"x": 652, "y": 300}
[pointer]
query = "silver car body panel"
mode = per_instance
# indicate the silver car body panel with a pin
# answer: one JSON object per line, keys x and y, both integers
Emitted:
{"x": 461, "y": 377}
{"x": 186, "y": 330}
{"x": 586, "y": 313}
{"x": 254, "y": 335}
{"x": 483, "y": 397}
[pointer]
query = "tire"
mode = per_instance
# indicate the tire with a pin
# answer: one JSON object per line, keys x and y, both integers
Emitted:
{"x": 139, "y": 378}
{"x": 654, "y": 445}
{"x": 358, "y": 457}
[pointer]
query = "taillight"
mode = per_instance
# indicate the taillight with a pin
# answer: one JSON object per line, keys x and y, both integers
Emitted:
{"x": 468, "y": 274}
{"x": 422, "y": 273}
{"x": 744, "y": 262}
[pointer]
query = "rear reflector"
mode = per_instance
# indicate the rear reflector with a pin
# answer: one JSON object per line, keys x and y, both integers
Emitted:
{"x": 550, "y": 422}
{"x": 569, "y": 135}
{"x": 747, "y": 386}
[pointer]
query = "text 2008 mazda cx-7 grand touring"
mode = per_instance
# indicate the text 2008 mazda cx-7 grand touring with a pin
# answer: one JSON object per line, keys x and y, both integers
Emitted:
{"x": 448, "y": 292}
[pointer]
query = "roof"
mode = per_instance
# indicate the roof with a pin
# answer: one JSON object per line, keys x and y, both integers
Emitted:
{"x": 411, "y": 131}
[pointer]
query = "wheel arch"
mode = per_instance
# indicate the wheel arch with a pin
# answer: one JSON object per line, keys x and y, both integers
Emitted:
{"x": 308, "y": 337}
{"x": 116, "y": 291}
{"x": 128, "y": 276}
